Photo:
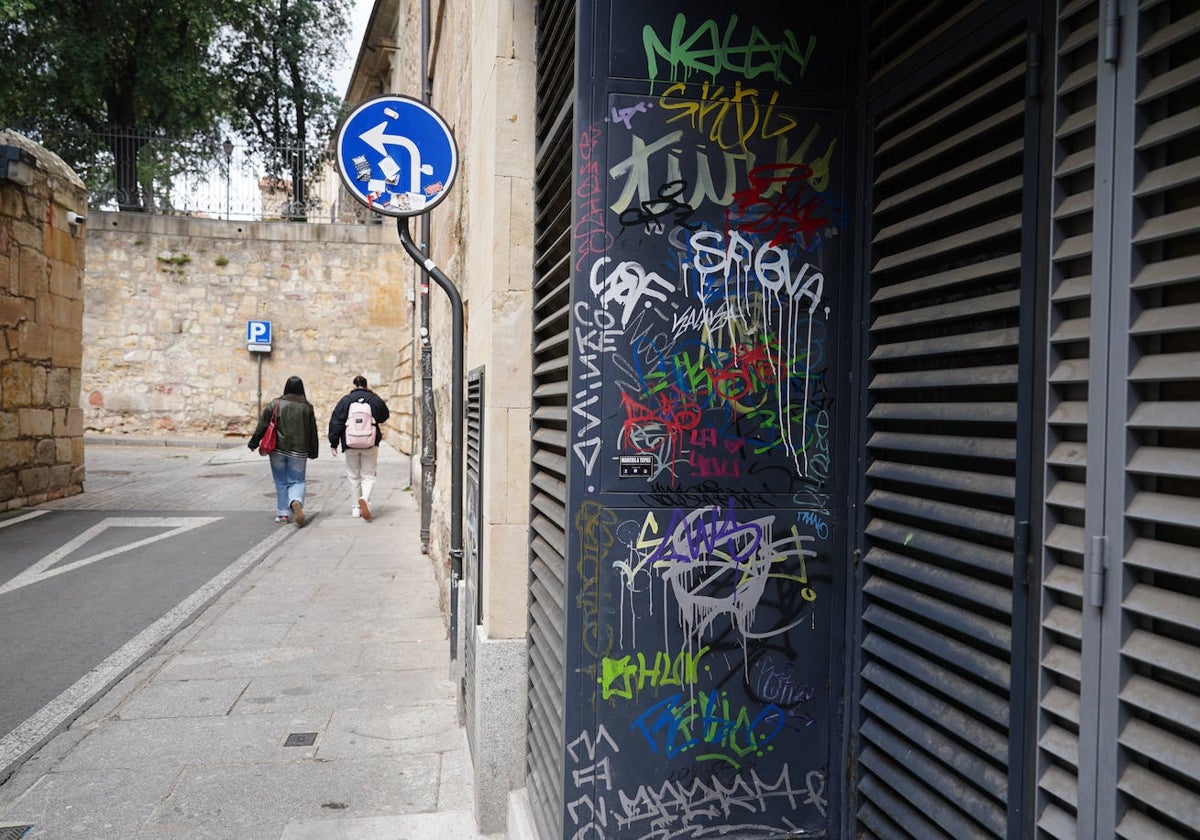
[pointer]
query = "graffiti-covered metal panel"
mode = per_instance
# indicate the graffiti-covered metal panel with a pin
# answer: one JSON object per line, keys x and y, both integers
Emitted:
{"x": 706, "y": 456}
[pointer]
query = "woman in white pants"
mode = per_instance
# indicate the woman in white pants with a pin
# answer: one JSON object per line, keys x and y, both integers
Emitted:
{"x": 356, "y": 430}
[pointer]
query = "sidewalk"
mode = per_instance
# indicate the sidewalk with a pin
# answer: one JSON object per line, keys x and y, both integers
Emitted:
{"x": 310, "y": 700}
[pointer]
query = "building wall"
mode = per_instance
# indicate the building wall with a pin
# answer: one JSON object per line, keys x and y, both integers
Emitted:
{"x": 167, "y": 304}
{"x": 42, "y": 259}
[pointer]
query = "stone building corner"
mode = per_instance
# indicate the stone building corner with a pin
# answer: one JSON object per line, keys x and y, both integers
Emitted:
{"x": 42, "y": 259}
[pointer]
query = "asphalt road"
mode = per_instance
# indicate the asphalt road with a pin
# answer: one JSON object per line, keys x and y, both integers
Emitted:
{"x": 91, "y": 585}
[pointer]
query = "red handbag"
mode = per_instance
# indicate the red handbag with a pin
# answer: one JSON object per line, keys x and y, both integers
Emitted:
{"x": 270, "y": 438}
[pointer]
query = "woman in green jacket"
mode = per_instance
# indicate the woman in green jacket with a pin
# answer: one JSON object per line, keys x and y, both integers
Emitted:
{"x": 296, "y": 427}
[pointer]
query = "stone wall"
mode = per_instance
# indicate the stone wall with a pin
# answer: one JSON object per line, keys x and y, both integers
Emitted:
{"x": 41, "y": 321}
{"x": 169, "y": 298}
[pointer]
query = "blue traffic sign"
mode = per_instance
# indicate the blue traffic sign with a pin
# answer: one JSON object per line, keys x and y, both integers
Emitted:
{"x": 258, "y": 332}
{"x": 396, "y": 155}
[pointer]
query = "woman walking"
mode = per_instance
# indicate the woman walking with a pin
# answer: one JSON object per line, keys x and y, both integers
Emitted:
{"x": 296, "y": 430}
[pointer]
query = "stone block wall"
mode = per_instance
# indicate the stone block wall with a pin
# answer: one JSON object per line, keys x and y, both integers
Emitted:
{"x": 168, "y": 301}
{"x": 42, "y": 259}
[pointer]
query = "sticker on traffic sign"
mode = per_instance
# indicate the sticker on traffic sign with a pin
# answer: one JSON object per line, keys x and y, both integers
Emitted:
{"x": 396, "y": 155}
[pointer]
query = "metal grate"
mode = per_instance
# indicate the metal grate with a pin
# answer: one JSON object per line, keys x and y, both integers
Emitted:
{"x": 301, "y": 739}
{"x": 14, "y": 832}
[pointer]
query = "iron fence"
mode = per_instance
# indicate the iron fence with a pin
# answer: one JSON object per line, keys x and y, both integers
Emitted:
{"x": 132, "y": 171}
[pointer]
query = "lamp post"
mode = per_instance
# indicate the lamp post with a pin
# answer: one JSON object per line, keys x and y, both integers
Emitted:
{"x": 228, "y": 166}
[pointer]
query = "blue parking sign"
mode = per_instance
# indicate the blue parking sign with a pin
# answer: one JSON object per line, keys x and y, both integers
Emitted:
{"x": 258, "y": 332}
{"x": 396, "y": 155}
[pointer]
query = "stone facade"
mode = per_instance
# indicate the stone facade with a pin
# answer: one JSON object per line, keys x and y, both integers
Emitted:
{"x": 167, "y": 306}
{"x": 42, "y": 259}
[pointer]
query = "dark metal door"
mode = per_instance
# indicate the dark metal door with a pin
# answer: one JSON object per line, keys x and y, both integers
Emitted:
{"x": 707, "y": 454}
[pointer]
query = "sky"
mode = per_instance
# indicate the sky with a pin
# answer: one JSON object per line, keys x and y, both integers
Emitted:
{"x": 359, "y": 15}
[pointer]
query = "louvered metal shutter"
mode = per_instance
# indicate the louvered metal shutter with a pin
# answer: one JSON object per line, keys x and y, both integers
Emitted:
{"x": 1071, "y": 244}
{"x": 472, "y": 533}
{"x": 551, "y": 299}
{"x": 1119, "y": 734}
{"x": 946, "y": 425}
{"x": 1150, "y": 675}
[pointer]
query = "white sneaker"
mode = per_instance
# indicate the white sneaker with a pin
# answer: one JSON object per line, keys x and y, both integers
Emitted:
{"x": 355, "y": 512}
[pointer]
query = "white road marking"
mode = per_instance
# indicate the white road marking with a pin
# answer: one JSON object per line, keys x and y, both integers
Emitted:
{"x": 31, "y": 515}
{"x": 44, "y": 723}
{"x": 41, "y": 570}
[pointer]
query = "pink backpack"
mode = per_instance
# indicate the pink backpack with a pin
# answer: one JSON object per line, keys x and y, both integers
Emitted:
{"x": 360, "y": 426}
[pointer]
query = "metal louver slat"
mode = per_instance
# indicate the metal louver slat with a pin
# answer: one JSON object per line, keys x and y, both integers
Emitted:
{"x": 1154, "y": 556}
{"x": 948, "y": 312}
{"x": 1168, "y": 128}
{"x": 984, "y": 522}
{"x": 958, "y": 481}
{"x": 1165, "y": 367}
{"x": 944, "y": 310}
{"x": 958, "y": 445}
{"x": 988, "y": 340}
{"x": 960, "y": 275}
{"x": 946, "y": 412}
{"x": 982, "y": 375}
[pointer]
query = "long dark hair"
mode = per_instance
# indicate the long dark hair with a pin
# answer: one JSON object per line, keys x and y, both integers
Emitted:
{"x": 295, "y": 385}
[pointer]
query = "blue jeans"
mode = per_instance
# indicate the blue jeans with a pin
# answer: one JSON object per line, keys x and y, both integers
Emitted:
{"x": 288, "y": 472}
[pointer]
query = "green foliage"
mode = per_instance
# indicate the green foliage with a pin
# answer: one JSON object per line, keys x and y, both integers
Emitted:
{"x": 276, "y": 63}
{"x": 89, "y": 65}
{"x": 187, "y": 70}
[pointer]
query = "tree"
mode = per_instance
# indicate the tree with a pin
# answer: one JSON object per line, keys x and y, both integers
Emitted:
{"x": 102, "y": 80}
{"x": 92, "y": 69}
{"x": 277, "y": 62}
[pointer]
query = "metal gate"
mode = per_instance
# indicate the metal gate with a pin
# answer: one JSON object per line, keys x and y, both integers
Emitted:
{"x": 951, "y": 323}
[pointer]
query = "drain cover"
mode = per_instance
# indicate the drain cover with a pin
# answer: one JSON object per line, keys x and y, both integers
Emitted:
{"x": 223, "y": 475}
{"x": 13, "y": 832}
{"x": 296, "y": 739}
